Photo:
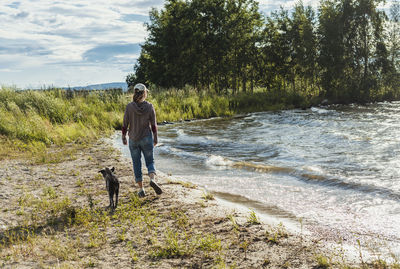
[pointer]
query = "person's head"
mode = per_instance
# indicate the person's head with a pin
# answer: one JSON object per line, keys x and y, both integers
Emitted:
{"x": 140, "y": 93}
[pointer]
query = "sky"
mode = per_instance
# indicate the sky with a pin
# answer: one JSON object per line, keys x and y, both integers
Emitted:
{"x": 65, "y": 43}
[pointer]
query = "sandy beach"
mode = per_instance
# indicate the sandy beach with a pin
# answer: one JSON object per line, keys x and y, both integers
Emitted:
{"x": 54, "y": 215}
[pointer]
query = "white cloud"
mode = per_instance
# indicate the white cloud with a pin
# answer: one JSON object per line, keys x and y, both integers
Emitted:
{"x": 271, "y": 5}
{"x": 49, "y": 38}
{"x": 57, "y": 41}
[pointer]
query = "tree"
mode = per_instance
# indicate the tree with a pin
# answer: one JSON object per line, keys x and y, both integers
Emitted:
{"x": 343, "y": 53}
{"x": 394, "y": 34}
{"x": 352, "y": 48}
{"x": 303, "y": 41}
{"x": 209, "y": 43}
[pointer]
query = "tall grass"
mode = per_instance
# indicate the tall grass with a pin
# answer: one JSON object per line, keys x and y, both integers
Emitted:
{"x": 188, "y": 103}
{"x": 191, "y": 103}
{"x": 33, "y": 120}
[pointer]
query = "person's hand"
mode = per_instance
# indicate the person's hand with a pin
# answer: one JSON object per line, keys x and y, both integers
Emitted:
{"x": 155, "y": 143}
{"x": 124, "y": 141}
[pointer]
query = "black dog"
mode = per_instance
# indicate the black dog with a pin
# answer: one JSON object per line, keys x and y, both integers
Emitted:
{"x": 112, "y": 185}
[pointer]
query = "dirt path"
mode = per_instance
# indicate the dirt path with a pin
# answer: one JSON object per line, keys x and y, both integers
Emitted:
{"x": 55, "y": 215}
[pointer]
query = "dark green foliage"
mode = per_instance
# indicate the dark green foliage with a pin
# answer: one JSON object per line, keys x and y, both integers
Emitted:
{"x": 354, "y": 58}
{"x": 348, "y": 51}
{"x": 203, "y": 43}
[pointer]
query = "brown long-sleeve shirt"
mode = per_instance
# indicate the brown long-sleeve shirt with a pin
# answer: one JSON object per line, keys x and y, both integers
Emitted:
{"x": 140, "y": 121}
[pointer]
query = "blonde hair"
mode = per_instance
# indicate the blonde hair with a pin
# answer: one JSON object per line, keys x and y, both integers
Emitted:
{"x": 139, "y": 96}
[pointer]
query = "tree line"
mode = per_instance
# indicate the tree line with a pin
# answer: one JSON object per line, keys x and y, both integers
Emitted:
{"x": 345, "y": 50}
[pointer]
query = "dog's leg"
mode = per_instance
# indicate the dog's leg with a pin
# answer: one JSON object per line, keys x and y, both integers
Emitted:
{"x": 110, "y": 195}
{"x": 116, "y": 196}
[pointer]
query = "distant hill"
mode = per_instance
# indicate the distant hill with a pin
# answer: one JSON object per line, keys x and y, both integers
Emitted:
{"x": 103, "y": 86}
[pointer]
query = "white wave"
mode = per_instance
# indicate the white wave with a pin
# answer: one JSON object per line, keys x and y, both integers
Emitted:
{"x": 314, "y": 169}
{"x": 319, "y": 110}
{"x": 215, "y": 160}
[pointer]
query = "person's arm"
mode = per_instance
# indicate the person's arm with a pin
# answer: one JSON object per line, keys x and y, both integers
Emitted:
{"x": 125, "y": 125}
{"x": 153, "y": 123}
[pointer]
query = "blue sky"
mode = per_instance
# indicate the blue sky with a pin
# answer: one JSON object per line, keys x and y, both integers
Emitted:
{"x": 76, "y": 42}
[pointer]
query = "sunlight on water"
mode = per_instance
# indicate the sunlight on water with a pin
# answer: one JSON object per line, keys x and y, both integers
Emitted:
{"x": 336, "y": 167}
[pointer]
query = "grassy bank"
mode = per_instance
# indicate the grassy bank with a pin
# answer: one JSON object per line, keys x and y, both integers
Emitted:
{"x": 189, "y": 103}
{"x": 32, "y": 121}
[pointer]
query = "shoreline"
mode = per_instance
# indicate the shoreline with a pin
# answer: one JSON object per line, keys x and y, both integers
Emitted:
{"x": 372, "y": 246}
{"x": 55, "y": 215}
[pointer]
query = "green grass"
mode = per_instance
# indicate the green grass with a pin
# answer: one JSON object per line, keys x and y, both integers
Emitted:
{"x": 185, "y": 184}
{"x": 33, "y": 121}
{"x": 234, "y": 223}
{"x": 36, "y": 122}
{"x": 275, "y": 234}
{"x": 207, "y": 196}
{"x": 54, "y": 229}
{"x": 322, "y": 261}
{"x": 252, "y": 219}
{"x": 176, "y": 105}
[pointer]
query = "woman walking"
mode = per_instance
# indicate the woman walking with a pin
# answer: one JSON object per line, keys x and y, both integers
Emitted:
{"x": 141, "y": 126}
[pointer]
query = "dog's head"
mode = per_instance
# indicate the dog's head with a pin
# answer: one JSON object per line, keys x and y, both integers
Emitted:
{"x": 107, "y": 171}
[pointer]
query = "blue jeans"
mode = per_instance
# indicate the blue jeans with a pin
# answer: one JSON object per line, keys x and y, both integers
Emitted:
{"x": 136, "y": 148}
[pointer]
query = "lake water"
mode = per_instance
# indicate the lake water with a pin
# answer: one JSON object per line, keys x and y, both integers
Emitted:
{"x": 336, "y": 168}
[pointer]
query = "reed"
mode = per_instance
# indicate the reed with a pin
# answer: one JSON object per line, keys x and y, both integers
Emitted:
{"x": 32, "y": 121}
{"x": 188, "y": 103}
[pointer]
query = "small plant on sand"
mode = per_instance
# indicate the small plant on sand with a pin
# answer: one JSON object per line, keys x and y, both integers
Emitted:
{"x": 301, "y": 225}
{"x": 286, "y": 265}
{"x": 380, "y": 264}
{"x": 98, "y": 177}
{"x": 79, "y": 183}
{"x": 150, "y": 218}
{"x": 90, "y": 263}
{"x": 49, "y": 192}
{"x": 26, "y": 199}
{"x": 90, "y": 200}
{"x": 180, "y": 217}
{"x": 63, "y": 251}
{"x": 16, "y": 237}
{"x": 185, "y": 184}
{"x": 172, "y": 246}
{"x": 219, "y": 262}
{"x": 208, "y": 196}
{"x": 132, "y": 252}
{"x": 266, "y": 262}
{"x": 96, "y": 237}
{"x": 244, "y": 246}
{"x": 276, "y": 233}
{"x": 252, "y": 218}
{"x": 396, "y": 265}
{"x": 360, "y": 252}
{"x": 235, "y": 225}
{"x": 322, "y": 261}
{"x": 202, "y": 204}
{"x": 122, "y": 235}
{"x": 75, "y": 173}
{"x": 50, "y": 209}
{"x": 209, "y": 243}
